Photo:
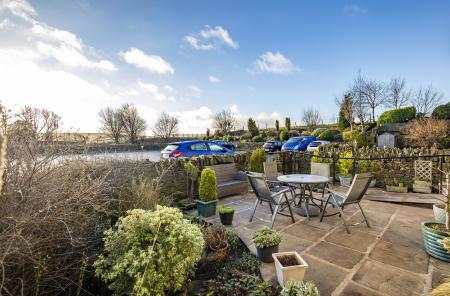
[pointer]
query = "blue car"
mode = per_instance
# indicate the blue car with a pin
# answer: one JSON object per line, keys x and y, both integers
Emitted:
{"x": 193, "y": 148}
{"x": 297, "y": 143}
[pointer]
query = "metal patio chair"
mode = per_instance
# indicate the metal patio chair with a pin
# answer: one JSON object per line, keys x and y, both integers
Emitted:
{"x": 276, "y": 196}
{"x": 354, "y": 195}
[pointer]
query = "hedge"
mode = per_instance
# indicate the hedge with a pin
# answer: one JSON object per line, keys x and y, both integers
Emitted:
{"x": 397, "y": 115}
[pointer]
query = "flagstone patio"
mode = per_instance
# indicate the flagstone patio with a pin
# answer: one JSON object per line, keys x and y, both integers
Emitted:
{"x": 386, "y": 259}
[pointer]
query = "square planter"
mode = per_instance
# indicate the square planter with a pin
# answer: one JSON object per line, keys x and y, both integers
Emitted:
{"x": 422, "y": 186}
{"x": 206, "y": 209}
{"x": 399, "y": 189}
{"x": 293, "y": 272}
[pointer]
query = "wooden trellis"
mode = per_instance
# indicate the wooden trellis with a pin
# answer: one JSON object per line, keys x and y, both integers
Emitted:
{"x": 423, "y": 170}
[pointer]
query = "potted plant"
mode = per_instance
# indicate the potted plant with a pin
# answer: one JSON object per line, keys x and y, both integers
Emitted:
{"x": 216, "y": 238}
{"x": 436, "y": 235}
{"x": 206, "y": 204}
{"x": 294, "y": 288}
{"x": 266, "y": 241}
{"x": 421, "y": 185}
{"x": 289, "y": 266}
{"x": 345, "y": 165}
{"x": 226, "y": 215}
{"x": 392, "y": 185}
{"x": 320, "y": 166}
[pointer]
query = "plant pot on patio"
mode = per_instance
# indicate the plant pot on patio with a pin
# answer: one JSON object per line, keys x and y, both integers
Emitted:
{"x": 226, "y": 215}
{"x": 398, "y": 188}
{"x": 422, "y": 186}
{"x": 206, "y": 205}
{"x": 432, "y": 232}
{"x": 345, "y": 181}
{"x": 289, "y": 266}
{"x": 266, "y": 241}
{"x": 439, "y": 213}
{"x": 373, "y": 182}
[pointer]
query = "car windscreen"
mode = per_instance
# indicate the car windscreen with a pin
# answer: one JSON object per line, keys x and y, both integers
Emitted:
{"x": 294, "y": 140}
{"x": 171, "y": 147}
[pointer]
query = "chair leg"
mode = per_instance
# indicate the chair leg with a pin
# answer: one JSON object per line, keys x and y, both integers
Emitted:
{"x": 254, "y": 210}
{"x": 364, "y": 215}
{"x": 271, "y": 209}
{"x": 343, "y": 219}
{"x": 290, "y": 209}
{"x": 274, "y": 215}
{"x": 323, "y": 211}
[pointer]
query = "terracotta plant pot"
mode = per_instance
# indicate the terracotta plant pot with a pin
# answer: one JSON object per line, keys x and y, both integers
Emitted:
{"x": 265, "y": 254}
{"x": 206, "y": 209}
{"x": 293, "y": 272}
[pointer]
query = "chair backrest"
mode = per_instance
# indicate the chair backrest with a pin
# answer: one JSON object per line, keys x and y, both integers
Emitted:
{"x": 260, "y": 187}
{"x": 270, "y": 170}
{"x": 358, "y": 188}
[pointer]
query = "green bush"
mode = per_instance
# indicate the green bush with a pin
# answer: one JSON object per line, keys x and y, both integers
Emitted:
{"x": 228, "y": 138}
{"x": 442, "y": 111}
{"x": 397, "y": 115}
{"x": 318, "y": 131}
{"x": 360, "y": 138}
{"x": 150, "y": 252}
{"x": 240, "y": 283}
{"x": 266, "y": 237}
{"x": 345, "y": 165}
{"x": 318, "y": 159}
{"x": 284, "y": 135}
{"x": 257, "y": 159}
{"x": 258, "y": 139}
{"x": 225, "y": 209}
{"x": 248, "y": 263}
{"x": 294, "y": 288}
{"x": 327, "y": 135}
{"x": 207, "y": 188}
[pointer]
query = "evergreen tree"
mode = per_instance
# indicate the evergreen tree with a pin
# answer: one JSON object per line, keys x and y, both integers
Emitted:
{"x": 277, "y": 125}
{"x": 287, "y": 123}
{"x": 252, "y": 128}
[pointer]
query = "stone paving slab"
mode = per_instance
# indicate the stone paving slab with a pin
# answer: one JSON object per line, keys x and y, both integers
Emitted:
{"x": 412, "y": 259}
{"x": 391, "y": 281}
{"x": 306, "y": 232}
{"x": 440, "y": 272}
{"x": 354, "y": 289}
{"x": 357, "y": 240}
{"x": 336, "y": 254}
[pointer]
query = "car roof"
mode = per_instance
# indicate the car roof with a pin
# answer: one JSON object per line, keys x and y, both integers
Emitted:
{"x": 188, "y": 142}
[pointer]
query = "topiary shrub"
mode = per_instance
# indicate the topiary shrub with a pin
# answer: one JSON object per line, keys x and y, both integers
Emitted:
{"x": 360, "y": 138}
{"x": 257, "y": 159}
{"x": 284, "y": 135}
{"x": 345, "y": 165}
{"x": 207, "y": 189}
{"x": 258, "y": 139}
{"x": 150, "y": 252}
{"x": 442, "y": 111}
{"x": 397, "y": 115}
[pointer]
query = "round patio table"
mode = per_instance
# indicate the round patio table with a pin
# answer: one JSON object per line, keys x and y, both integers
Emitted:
{"x": 305, "y": 183}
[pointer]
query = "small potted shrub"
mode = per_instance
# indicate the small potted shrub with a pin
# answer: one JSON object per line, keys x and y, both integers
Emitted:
{"x": 216, "y": 238}
{"x": 289, "y": 266}
{"x": 206, "y": 205}
{"x": 294, "y": 288}
{"x": 266, "y": 241}
{"x": 345, "y": 166}
{"x": 320, "y": 166}
{"x": 226, "y": 215}
{"x": 396, "y": 186}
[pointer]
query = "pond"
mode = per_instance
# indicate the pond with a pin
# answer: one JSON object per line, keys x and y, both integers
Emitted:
{"x": 152, "y": 155}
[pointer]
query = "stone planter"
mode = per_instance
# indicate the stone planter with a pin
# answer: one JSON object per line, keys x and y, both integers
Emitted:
{"x": 430, "y": 239}
{"x": 206, "y": 209}
{"x": 399, "y": 189}
{"x": 265, "y": 254}
{"x": 373, "y": 182}
{"x": 345, "y": 181}
{"x": 227, "y": 218}
{"x": 422, "y": 186}
{"x": 321, "y": 169}
{"x": 293, "y": 272}
{"x": 440, "y": 214}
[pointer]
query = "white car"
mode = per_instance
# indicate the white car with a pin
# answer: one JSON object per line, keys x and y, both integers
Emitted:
{"x": 314, "y": 145}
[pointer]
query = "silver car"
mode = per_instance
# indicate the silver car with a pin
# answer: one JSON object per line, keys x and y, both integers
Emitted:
{"x": 314, "y": 145}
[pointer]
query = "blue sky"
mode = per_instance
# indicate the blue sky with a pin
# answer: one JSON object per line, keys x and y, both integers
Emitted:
{"x": 265, "y": 59}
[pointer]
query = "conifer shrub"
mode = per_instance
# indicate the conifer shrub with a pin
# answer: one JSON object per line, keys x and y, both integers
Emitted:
{"x": 150, "y": 252}
{"x": 257, "y": 159}
{"x": 284, "y": 135}
{"x": 258, "y": 139}
{"x": 207, "y": 188}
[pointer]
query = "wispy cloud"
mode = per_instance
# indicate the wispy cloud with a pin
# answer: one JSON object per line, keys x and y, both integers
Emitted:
{"x": 275, "y": 63}
{"x": 213, "y": 79}
{"x": 152, "y": 63}
{"x": 210, "y": 38}
{"x": 355, "y": 9}
{"x": 158, "y": 93}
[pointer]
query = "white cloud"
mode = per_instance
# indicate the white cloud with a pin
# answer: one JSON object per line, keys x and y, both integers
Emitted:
{"x": 213, "y": 79}
{"x": 158, "y": 93}
{"x": 194, "y": 121}
{"x": 195, "y": 91}
{"x": 262, "y": 119}
{"x": 52, "y": 44}
{"x": 210, "y": 38}
{"x": 275, "y": 63}
{"x": 152, "y": 63}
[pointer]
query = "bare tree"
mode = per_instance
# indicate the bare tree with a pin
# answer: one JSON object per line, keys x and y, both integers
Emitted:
{"x": 42, "y": 122}
{"x": 224, "y": 121}
{"x": 360, "y": 107}
{"x": 166, "y": 126}
{"x": 346, "y": 110}
{"x": 426, "y": 99}
{"x": 396, "y": 95}
{"x": 112, "y": 123}
{"x": 311, "y": 117}
{"x": 133, "y": 123}
{"x": 374, "y": 95}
